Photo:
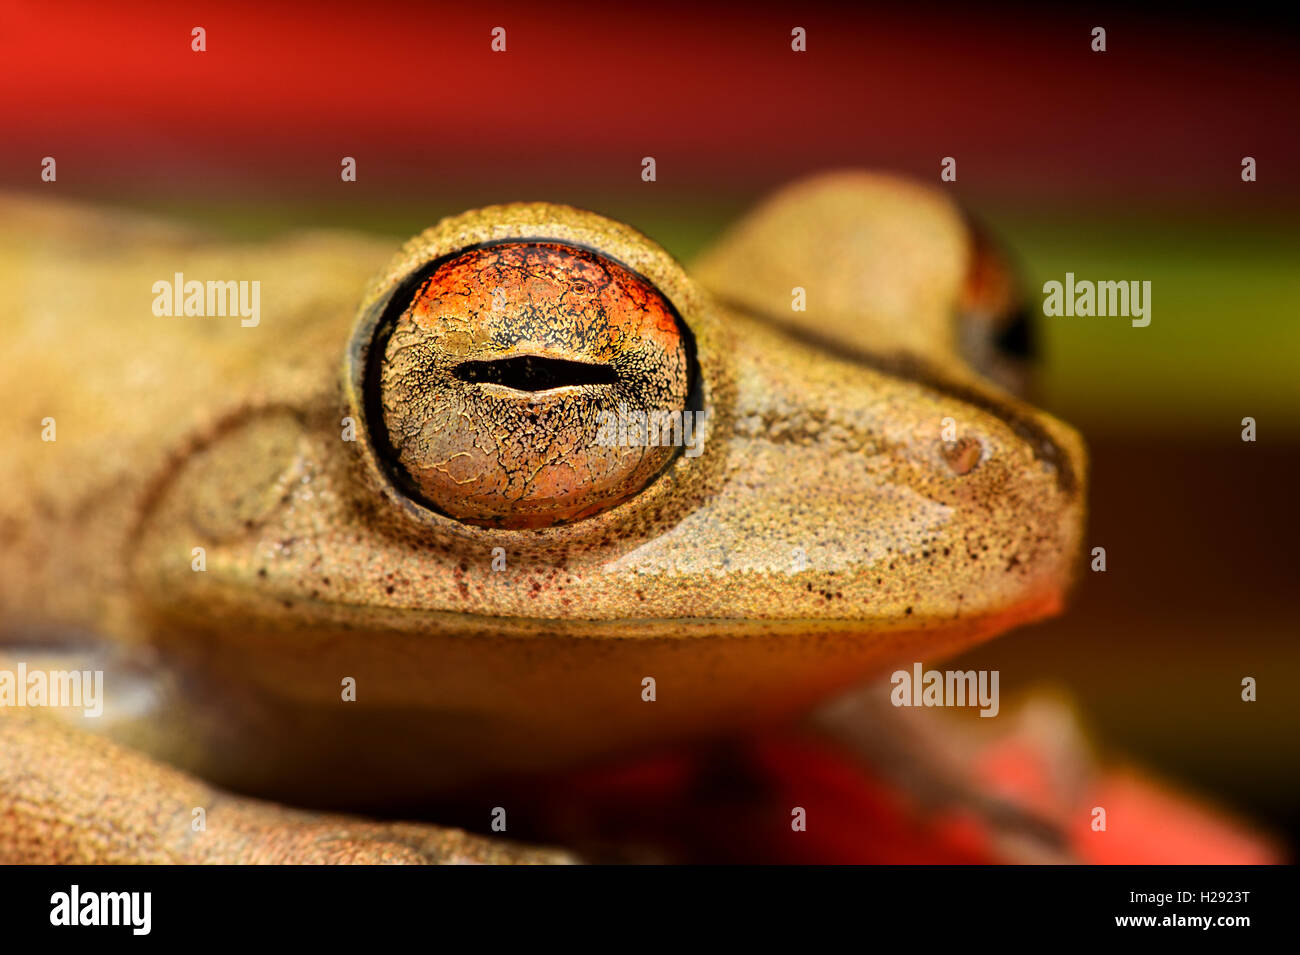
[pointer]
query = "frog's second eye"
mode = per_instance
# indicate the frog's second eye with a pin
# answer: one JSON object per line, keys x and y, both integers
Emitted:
{"x": 504, "y": 385}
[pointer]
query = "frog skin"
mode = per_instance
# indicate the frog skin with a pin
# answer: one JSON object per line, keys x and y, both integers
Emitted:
{"x": 862, "y": 498}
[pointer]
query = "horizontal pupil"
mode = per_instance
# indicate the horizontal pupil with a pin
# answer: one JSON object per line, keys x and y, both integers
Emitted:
{"x": 534, "y": 373}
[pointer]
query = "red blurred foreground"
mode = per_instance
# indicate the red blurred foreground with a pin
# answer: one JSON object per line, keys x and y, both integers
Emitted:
{"x": 735, "y": 805}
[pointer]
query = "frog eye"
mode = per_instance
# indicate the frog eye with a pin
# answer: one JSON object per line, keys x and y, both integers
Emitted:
{"x": 996, "y": 324}
{"x": 496, "y": 381}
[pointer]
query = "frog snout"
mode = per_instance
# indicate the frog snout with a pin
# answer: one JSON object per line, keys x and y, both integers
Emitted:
{"x": 906, "y": 496}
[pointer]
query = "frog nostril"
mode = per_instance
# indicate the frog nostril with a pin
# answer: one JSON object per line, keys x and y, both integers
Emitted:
{"x": 963, "y": 455}
{"x": 534, "y": 373}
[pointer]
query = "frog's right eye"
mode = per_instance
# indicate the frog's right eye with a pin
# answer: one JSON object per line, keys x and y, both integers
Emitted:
{"x": 496, "y": 383}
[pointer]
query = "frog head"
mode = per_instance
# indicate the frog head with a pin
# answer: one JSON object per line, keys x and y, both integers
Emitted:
{"x": 566, "y": 496}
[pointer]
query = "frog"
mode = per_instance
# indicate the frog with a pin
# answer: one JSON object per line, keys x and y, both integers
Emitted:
{"x": 368, "y": 548}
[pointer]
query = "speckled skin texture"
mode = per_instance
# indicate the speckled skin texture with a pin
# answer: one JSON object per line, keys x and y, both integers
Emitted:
{"x": 826, "y": 532}
{"x": 99, "y": 803}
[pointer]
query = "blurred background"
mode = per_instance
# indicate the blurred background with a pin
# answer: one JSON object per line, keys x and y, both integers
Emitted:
{"x": 1122, "y": 165}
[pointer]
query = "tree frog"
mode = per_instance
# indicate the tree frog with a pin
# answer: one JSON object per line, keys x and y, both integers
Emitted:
{"x": 343, "y": 530}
